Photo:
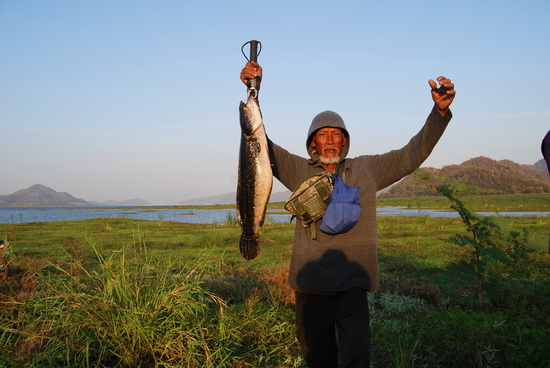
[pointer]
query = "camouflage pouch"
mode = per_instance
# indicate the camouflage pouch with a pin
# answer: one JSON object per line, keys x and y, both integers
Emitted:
{"x": 309, "y": 202}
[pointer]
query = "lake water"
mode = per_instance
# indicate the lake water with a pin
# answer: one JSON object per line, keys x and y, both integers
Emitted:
{"x": 195, "y": 216}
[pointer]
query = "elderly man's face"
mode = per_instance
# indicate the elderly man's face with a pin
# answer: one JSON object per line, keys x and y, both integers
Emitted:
{"x": 328, "y": 143}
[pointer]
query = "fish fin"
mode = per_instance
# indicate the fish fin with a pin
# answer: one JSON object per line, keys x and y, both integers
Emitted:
{"x": 249, "y": 247}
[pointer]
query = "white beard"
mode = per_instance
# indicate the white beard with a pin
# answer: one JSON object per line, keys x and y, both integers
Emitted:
{"x": 329, "y": 160}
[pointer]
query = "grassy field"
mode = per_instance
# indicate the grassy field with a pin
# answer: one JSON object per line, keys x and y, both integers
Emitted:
{"x": 485, "y": 203}
{"x": 124, "y": 293}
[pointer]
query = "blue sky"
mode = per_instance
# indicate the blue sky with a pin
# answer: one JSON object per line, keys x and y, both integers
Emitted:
{"x": 139, "y": 99}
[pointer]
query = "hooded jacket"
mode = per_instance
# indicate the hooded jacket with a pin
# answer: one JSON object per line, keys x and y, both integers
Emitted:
{"x": 326, "y": 119}
{"x": 335, "y": 263}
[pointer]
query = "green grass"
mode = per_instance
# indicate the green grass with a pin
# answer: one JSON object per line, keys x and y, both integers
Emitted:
{"x": 480, "y": 203}
{"x": 131, "y": 293}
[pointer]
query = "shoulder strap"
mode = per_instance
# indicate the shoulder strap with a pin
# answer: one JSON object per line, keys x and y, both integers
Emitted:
{"x": 341, "y": 170}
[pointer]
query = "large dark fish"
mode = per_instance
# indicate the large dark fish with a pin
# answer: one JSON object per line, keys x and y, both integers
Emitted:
{"x": 255, "y": 178}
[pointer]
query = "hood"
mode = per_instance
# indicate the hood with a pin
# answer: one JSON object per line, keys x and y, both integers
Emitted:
{"x": 327, "y": 119}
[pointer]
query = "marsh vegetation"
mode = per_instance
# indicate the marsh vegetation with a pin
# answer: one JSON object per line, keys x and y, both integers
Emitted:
{"x": 124, "y": 293}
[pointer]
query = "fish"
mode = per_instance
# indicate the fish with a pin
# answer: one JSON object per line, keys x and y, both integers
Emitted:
{"x": 255, "y": 178}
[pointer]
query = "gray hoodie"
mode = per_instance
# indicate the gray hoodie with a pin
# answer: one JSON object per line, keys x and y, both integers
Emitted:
{"x": 326, "y": 119}
{"x": 335, "y": 263}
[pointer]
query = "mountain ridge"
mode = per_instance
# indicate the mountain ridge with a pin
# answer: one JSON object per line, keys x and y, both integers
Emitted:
{"x": 491, "y": 176}
{"x": 40, "y": 195}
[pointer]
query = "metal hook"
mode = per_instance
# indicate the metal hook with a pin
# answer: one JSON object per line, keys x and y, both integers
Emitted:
{"x": 252, "y": 57}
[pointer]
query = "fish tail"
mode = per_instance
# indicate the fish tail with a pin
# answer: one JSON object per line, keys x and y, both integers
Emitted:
{"x": 249, "y": 246}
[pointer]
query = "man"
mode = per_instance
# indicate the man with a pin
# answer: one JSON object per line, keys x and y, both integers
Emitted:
{"x": 331, "y": 274}
{"x": 545, "y": 148}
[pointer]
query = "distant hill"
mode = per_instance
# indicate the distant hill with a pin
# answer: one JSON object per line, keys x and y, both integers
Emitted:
{"x": 127, "y": 202}
{"x": 40, "y": 195}
{"x": 490, "y": 176}
{"x": 541, "y": 165}
{"x": 230, "y": 198}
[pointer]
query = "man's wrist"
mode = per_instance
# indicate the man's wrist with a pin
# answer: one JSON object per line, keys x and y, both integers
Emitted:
{"x": 443, "y": 112}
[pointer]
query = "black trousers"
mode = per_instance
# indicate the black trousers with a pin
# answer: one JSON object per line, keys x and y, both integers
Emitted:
{"x": 334, "y": 330}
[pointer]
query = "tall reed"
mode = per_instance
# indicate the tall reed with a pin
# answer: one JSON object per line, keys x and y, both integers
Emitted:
{"x": 132, "y": 310}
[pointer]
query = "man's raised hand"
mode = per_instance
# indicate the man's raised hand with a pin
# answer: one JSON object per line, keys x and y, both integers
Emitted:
{"x": 444, "y": 95}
